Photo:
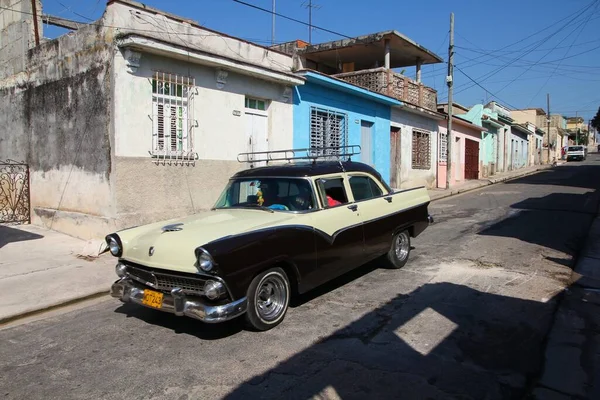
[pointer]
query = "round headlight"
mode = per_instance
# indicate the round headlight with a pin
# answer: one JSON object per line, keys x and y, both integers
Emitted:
{"x": 205, "y": 262}
{"x": 121, "y": 270}
{"x": 113, "y": 246}
{"x": 213, "y": 289}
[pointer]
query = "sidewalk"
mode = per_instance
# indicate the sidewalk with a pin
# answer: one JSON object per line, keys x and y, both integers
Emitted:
{"x": 466, "y": 186}
{"x": 572, "y": 359}
{"x": 40, "y": 269}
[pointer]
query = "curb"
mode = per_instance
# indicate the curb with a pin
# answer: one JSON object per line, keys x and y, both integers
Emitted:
{"x": 57, "y": 306}
{"x": 489, "y": 182}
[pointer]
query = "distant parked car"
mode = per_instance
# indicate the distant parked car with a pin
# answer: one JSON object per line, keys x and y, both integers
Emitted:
{"x": 576, "y": 153}
{"x": 276, "y": 231}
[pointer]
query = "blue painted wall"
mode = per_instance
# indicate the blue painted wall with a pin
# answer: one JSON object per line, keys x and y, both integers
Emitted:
{"x": 357, "y": 108}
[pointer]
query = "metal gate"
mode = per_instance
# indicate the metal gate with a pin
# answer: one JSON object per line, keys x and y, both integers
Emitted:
{"x": 471, "y": 159}
{"x": 14, "y": 192}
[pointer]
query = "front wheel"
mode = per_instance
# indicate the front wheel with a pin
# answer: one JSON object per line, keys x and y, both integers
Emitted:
{"x": 398, "y": 255}
{"x": 268, "y": 299}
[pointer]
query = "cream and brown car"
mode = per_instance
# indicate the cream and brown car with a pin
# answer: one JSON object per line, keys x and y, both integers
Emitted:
{"x": 276, "y": 231}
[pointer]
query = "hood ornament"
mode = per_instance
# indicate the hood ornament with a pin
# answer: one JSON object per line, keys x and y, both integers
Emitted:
{"x": 151, "y": 251}
{"x": 172, "y": 227}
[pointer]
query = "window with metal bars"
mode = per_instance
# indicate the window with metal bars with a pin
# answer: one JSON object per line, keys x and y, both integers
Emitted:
{"x": 328, "y": 129}
{"x": 171, "y": 100}
{"x": 421, "y": 149}
{"x": 443, "y": 156}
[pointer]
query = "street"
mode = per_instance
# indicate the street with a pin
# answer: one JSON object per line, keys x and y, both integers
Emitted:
{"x": 465, "y": 318}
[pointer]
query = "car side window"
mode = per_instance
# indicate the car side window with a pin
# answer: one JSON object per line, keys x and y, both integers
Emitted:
{"x": 332, "y": 192}
{"x": 364, "y": 188}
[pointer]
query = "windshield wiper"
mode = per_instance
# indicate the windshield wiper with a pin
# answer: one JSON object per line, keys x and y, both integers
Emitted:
{"x": 247, "y": 206}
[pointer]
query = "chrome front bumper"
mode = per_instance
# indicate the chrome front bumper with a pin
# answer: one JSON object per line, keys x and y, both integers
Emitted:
{"x": 177, "y": 303}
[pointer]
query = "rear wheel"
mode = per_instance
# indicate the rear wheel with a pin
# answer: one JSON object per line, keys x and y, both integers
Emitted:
{"x": 268, "y": 299}
{"x": 400, "y": 250}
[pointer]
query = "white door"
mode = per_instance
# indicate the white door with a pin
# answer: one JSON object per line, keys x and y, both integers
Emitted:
{"x": 366, "y": 141}
{"x": 257, "y": 128}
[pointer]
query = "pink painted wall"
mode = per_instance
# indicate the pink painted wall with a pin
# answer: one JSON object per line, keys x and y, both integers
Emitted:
{"x": 459, "y": 134}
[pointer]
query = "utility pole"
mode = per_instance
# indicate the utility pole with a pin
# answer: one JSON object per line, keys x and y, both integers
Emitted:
{"x": 449, "y": 80}
{"x": 548, "y": 126}
{"x": 576, "y": 128}
{"x": 273, "y": 25}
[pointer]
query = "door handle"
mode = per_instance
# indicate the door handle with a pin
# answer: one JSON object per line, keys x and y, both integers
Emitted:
{"x": 389, "y": 199}
{"x": 353, "y": 207}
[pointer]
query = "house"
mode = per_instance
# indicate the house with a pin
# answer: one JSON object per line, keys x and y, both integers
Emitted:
{"x": 331, "y": 112}
{"x": 577, "y": 131}
{"x": 491, "y": 149}
{"x": 518, "y": 155}
{"x": 555, "y": 139}
{"x": 138, "y": 116}
{"x": 369, "y": 62}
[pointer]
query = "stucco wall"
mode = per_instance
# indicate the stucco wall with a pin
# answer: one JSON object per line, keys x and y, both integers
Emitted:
{"x": 357, "y": 109}
{"x": 459, "y": 134}
{"x": 406, "y": 121}
{"x": 58, "y": 120}
{"x": 148, "y": 191}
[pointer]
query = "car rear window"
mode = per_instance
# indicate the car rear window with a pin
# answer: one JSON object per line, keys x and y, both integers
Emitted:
{"x": 575, "y": 148}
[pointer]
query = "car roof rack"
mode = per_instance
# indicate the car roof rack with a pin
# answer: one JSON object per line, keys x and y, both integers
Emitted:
{"x": 314, "y": 154}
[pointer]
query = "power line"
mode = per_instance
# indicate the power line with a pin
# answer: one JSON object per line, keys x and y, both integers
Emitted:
{"x": 487, "y": 91}
{"x": 293, "y": 19}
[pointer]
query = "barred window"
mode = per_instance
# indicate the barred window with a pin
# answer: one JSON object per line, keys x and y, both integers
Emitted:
{"x": 443, "y": 156}
{"x": 421, "y": 149}
{"x": 171, "y": 127}
{"x": 328, "y": 129}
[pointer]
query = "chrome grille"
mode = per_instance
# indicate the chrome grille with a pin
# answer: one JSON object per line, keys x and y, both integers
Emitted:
{"x": 166, "y": 282}
{"x": 188, "y": 285}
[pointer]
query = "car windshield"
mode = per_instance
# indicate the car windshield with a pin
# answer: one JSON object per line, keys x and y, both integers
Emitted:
{"x": 278, "y": 194}
{"x": 575, "y": 148}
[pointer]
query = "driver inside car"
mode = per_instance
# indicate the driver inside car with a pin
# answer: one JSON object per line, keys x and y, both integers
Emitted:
{"x": 270, "y": 193}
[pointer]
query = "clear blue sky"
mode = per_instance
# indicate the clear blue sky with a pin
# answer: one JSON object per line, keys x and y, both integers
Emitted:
{"x": 563, "y": 59}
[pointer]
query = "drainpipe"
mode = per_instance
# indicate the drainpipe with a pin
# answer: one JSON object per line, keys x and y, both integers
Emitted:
{"x": 386, "y": 43}
{"x": 419, "y": 63}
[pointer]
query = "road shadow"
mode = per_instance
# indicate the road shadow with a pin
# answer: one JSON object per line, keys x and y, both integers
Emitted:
{"x": 558, "y": 221}
{"x": 13, "y": 235}
{"x": 569, "y": 175}
{"x": 441, "y": 341}
{"x": 182, "y": 325}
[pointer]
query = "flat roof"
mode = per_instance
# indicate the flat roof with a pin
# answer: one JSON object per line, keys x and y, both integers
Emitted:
{"x": 366, "y": 49}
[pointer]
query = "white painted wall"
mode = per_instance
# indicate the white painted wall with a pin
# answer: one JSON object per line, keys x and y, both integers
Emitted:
{"x": 188, "y": 34}
{"x": 220, "y": 135}
{"x": 406, "y": 121}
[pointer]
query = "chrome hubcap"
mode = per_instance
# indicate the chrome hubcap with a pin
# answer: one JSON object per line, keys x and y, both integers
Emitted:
{"x": 402, "y": 246}
{"x": 271, "y": 297}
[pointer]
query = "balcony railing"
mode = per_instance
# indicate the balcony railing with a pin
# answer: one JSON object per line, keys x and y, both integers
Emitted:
{"x": 390, "y": 83}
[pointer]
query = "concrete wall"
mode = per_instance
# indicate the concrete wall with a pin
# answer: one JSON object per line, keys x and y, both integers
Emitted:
{"x": 58, "y": 120}
{"x": 149, "y": 191}
{"x": 407, "y": 121}
{"x": 357, "y": 109}
{"x": 17, "y": 34}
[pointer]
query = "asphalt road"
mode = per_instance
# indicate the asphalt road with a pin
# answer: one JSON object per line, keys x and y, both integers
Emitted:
{"x": 466, "y": 318}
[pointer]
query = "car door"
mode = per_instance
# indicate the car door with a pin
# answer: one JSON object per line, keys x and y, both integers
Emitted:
{"x": 338, "y": 231}
{"x": 379, "y": 212}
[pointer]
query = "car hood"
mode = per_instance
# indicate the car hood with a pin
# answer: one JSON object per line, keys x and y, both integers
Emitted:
{"x": 173, "y": 248}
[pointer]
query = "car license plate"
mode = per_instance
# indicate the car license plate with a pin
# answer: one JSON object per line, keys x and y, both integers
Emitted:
{"x": 152, "y": 298}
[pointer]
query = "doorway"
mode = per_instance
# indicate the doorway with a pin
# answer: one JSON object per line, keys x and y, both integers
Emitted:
{"x": 471, "y": 159}
{"x": 366, "y": 142}
{"x": 395, "y": 157}
{"x": 257, "y": 129}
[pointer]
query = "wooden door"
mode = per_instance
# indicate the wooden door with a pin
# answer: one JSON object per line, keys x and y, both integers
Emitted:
{"x": 395, "y": 157}
{"x": 471, "y": 159}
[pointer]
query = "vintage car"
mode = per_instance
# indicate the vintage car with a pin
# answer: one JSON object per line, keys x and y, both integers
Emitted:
{"x": 275, "y": 232}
